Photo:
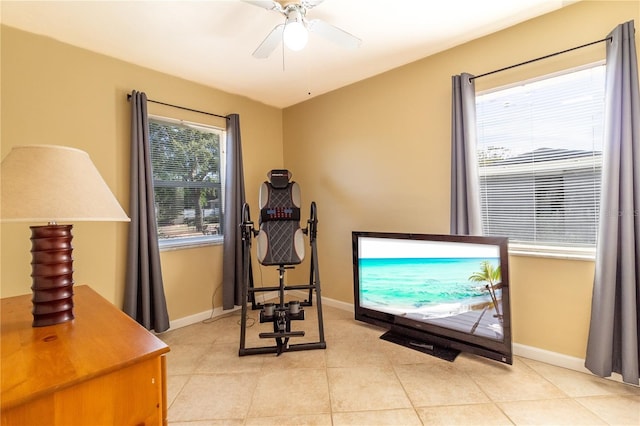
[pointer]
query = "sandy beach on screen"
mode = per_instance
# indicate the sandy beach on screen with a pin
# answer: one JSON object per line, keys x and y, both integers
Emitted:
{"x": 473, "y": 316}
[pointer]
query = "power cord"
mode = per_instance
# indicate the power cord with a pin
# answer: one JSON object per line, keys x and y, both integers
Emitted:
{"x": 250, "y": 320}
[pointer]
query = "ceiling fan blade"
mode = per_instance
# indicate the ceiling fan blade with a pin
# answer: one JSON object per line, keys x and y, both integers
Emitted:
{"x": 334, "y": 34}
{"x": 265, "y": 4}
{"x": 269, "y": 44}
{"x": 309, "y": 4}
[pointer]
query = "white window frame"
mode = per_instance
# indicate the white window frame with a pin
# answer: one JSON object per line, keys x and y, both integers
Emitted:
{"x": 166, "y": 244}
{"x": 585, "y": 252}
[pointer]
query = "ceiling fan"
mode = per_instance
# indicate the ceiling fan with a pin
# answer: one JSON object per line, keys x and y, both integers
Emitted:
{"x": 294, "y": 32}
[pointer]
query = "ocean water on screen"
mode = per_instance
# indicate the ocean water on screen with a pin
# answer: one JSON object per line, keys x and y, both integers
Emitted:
{"x": 401, "y": 285}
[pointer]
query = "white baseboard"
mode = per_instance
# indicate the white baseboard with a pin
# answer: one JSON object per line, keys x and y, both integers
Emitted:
{"x": 557, "y": 359}
{"x": 209, "y": 314}
{"x": 548, "y": 357}
{"x": 328, "y": 302}
{"x": 338, "y": 304}
{"x": 199, "y": 317}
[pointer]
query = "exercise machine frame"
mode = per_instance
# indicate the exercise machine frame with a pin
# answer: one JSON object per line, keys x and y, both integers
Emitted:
{"x": 282, "y": 314}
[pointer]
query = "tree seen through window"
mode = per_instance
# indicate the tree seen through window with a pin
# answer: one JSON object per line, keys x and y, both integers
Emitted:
{"x": 186, "y": 163}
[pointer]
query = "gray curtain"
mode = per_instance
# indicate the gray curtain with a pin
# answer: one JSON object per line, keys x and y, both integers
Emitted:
{"x": 465, "y": 187}
{"x": 232, "y": 274}
{"x": 613, "y": 333}
{"x": 144, "y": 298}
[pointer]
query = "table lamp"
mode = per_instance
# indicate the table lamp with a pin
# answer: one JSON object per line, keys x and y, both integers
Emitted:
{"x": 48, "y": 183}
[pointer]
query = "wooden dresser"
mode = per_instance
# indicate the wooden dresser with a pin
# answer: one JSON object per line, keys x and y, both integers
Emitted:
{"x": 102, "y": 368}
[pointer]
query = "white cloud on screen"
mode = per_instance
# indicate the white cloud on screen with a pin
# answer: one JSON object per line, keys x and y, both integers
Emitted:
{"x": 400, "y": 248}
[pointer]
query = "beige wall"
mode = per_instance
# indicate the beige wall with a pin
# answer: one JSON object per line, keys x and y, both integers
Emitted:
{"x": 375, "y": 156}
{"x": 53, "y": 93}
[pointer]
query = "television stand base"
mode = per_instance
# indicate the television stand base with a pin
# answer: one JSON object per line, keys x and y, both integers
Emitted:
{"x": 429, "y": 348}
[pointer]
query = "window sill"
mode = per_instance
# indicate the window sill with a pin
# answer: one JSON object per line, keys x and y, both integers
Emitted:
{"x": 553, "y": 252}
{"x": 189, "y": 243}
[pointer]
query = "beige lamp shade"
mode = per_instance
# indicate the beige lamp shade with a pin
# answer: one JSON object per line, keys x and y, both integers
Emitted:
{"x": 49, "y": 183}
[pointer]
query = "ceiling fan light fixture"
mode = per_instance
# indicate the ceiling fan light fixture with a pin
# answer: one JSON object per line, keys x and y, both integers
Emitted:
{"x": 295, "y": 34}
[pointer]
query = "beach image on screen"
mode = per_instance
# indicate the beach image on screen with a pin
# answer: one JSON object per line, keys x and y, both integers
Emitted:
{"x": 449, "y": 284}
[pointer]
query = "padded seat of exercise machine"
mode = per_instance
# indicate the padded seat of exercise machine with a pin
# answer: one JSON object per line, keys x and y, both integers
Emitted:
{"x": 280, "y": 240}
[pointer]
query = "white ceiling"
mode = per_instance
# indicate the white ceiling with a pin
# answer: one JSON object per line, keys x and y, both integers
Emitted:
{"x": 211, "y": 42}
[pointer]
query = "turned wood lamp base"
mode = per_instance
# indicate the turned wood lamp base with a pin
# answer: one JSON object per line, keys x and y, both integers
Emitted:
{"x": 52, "y": 274}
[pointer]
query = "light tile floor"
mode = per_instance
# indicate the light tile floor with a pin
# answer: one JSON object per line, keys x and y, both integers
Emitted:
{"x": 362, "y": 380}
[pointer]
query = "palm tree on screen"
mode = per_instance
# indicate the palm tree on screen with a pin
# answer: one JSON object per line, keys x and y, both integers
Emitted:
{"x": 492, "y": 276}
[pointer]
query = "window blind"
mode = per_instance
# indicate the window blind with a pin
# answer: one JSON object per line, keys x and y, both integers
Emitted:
{"x": 187, "y": 179}
{"x": 539, "y": 150}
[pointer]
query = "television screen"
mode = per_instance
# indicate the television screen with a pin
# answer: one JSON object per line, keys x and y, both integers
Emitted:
{"x": 443, "y": 292}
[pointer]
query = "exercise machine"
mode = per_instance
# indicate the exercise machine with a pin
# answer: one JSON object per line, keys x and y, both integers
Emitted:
{"x": 280, "y": 243}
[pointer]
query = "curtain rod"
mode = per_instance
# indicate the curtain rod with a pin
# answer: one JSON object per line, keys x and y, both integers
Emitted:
{"x": 540, "y": 58}
{"x": 180, "y": 107}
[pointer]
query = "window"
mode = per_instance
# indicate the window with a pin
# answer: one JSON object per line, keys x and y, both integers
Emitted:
{"x": 539, "y": 155}
{"x": 187, "y": 163}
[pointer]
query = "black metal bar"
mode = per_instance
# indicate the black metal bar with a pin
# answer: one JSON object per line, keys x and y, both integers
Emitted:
{"x": 288, "y": 287}
{"x": 316, "y": 283}
{"x": 258, "y": 351}
{"x": 312, "y": 227}
{"x": 306, "y": 346}
{"x": 281, "y": 316}
{"x": 184, "y": 108}
{"x": 539, "y": 59}
{"x": 246, "y": 228}
{"x": 252, "y": 295}
{"x": 281, "y": 334}
{"x": 246, "y": 247}
{"x": 290, "y": 348}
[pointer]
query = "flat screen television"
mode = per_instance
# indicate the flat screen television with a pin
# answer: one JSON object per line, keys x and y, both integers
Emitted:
{"x": 439, "y": 294}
